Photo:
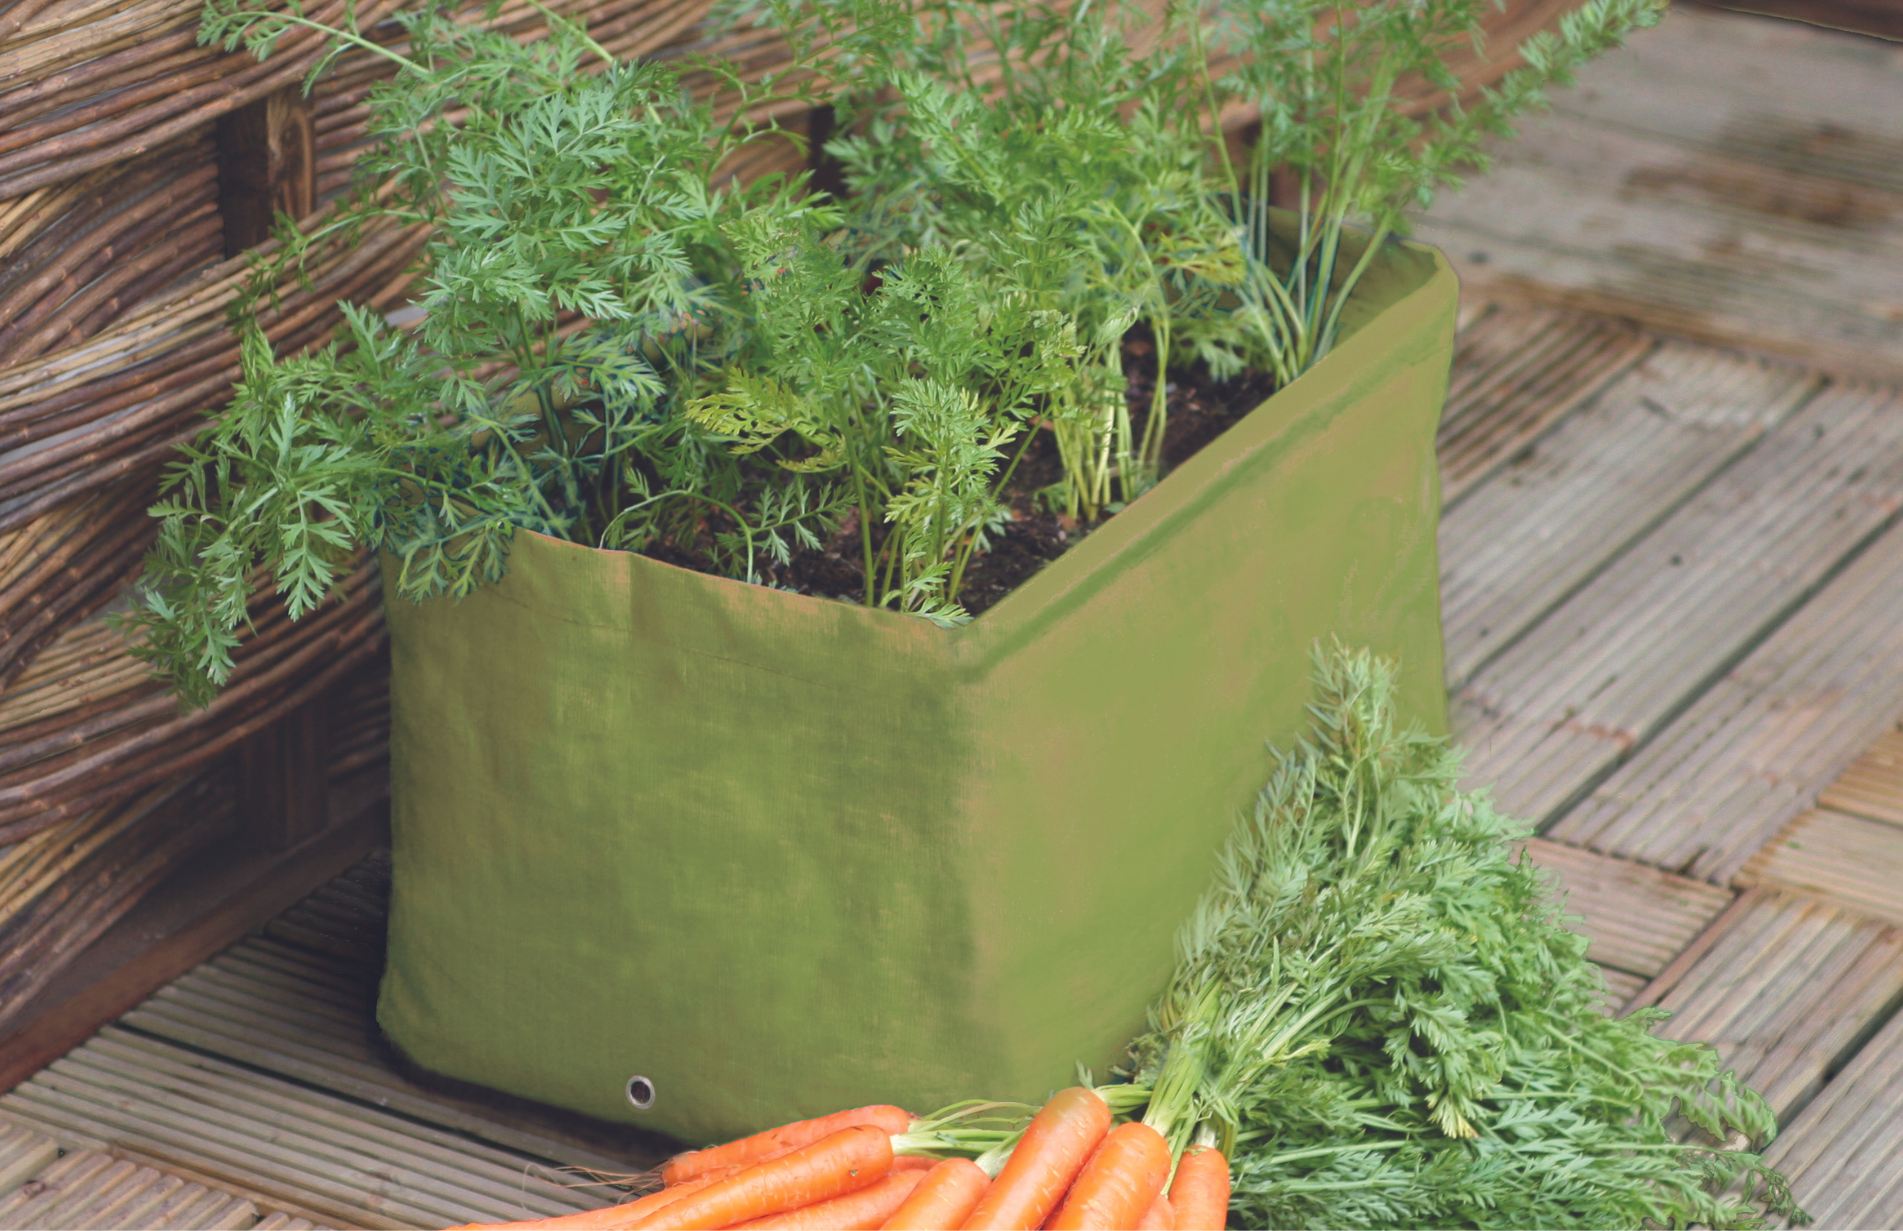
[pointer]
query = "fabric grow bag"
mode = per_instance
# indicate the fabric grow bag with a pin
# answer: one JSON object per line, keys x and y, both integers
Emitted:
{"x": 782, "y": 855}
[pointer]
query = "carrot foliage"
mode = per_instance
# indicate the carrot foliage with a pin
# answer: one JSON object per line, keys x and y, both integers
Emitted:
{"x": 1379, "y": 1014}
{"x": 615, "y": 342}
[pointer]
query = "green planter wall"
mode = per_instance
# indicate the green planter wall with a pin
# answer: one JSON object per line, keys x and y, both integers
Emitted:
{"x": 783, "y": 855}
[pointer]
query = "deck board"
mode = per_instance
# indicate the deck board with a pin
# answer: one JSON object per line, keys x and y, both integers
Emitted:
{"x": 267, "y": 1004}
{"x": 1670, "y": 572}
{"x": 1844, "y": 1153}
{"x": 1638, "y": 918}
{"x": 1515, "y": 374}
{"x": 330, "y": 1155}
{"x": 22, "y": 1155}
{"x": 345, "y": 917}
{"x": 1723, "y": 178}
{"x": 1767, "y": 739}
{"x": 1717, "y": 70}
{"x": 1601, "y": 674}
{"x": 1873, "y": 785}
{"x": 1785, "y": 991}
{"x": 1564, "y": 507}
{"x": 90, "y": 1191}
{"x": 1621, "y": 986}
{"x": 1838, "y": 856}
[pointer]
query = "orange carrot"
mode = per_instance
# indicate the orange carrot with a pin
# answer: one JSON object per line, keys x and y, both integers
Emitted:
{"x": 944, "y": 1198}
{"x": 865, "y": 1210}
{"x": 847, "y": 1161}
{"x": 1119, "y": 1185}
{"x": 1090, "y": 1158}
{"x": 610, "y": 1218}
{"x": 913, "y": 1162}
{"x": 778, "y": 1142}
{"x": 1047, "y": 1158}
{"x": 1200, "y": 1195}
{"x": 1160, "y": 1218}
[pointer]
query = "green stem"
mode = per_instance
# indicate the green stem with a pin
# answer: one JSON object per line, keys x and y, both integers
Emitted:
{"x": 1305, "y": 1186}
{"x": 752, "y": 577}
{"x": 1359, "y": 1147}
{"x": 357, "y": 40}
{"x": 1150, "y": 453}
{"x": 579, "y": 28}
{"x": 865, "y": 535}
{"x": 1326, "y": 341}
{"x": 970, "y": 543}
{"x": 602, "y": 543}
{"x": 893, "y": 549}
{"x": 1209, "y": 99}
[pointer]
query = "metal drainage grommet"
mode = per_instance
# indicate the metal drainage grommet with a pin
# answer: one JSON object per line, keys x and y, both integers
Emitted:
{"x": 640, "y": 1093}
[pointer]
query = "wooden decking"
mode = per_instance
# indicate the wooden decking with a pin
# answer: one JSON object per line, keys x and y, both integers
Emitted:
{"x": 1673, "y": 592}
{"x": 259, "y": 1076}
{"x": 1673, "y": 587}
{"x": 1727, "y": 178}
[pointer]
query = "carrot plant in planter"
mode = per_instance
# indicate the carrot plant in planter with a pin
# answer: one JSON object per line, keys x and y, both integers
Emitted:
{"x": 795, "y": 849}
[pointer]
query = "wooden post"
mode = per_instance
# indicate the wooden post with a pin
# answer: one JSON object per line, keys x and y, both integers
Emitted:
{"x": 829, "y": 174}
{"x": 267, "y": 165}
{"x": 284, "y": 779}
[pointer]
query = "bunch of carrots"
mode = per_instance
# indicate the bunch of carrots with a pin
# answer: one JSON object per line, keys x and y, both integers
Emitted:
{"x": 1071, "y": 1167}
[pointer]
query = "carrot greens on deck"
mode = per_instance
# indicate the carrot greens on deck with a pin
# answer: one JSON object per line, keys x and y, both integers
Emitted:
{"x": 1379, "y": 1018}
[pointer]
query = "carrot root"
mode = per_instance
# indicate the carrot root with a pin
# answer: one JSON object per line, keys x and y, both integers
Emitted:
{"x": 608, "y": 1218}
{"x": 1200, "y": 1195}
{"x": 781, "y": 1141}
{"x": 1160, "y": 1218}
{"x": 1119, "y": 1184}
{"x": 946, "y": 1197}
{"x": 1047, "y": 1158}
{"x": 844, "y": 1162}
{"x": 865, "y": 1210}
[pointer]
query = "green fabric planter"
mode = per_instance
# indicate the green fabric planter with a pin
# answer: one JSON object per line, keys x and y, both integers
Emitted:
{"x": 782, "y": 855}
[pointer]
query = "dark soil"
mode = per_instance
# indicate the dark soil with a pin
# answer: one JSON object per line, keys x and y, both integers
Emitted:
{"x": 1200, "y": 409}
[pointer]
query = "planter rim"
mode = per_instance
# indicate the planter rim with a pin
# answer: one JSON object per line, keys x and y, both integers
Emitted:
{"x": 1139, "y": 521}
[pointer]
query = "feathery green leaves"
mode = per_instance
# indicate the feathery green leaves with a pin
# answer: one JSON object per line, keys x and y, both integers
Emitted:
{"x": 1379, "y": 1015}
{"x": 621, "y": 348}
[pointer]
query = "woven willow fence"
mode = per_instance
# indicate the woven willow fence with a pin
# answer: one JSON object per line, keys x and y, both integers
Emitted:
{"x": 125, "y": 154}
{"x": 135, "y": 167}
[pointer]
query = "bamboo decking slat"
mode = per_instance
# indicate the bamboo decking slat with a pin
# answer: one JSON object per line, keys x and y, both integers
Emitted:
{"x": 346, "y": 917}
{"x": 90, "y": 1191}
{"x": 1610, "y": 666}
{"x": 338, "y": 1158}
{"x": 1784, "y": 987}
{"x": 1843, "y": 1154}
{"x": 22, "y": 1154}
{"x": 278, "y": 1220}
{"x": 1837, "y": 856}
{"x": 1873, "y": 785}
{"x": 1757, "y": 749}
{"x": 1565, "y": 506}
{"x": 1515, "y": 374}
{"x": 312, "y": 1019}
{"x": 1637, "y": 917}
